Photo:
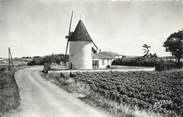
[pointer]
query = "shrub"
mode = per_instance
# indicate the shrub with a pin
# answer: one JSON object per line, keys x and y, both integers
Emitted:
{"x": 159, "y": 64}
{"x": 48, "y": 59}
{"x": 2, "y": 69}
{"x": 162, "y": 65}
{"x": 108, "y": 66}
{"x": 136, "y": 62}
{"x": 46, "y": 68}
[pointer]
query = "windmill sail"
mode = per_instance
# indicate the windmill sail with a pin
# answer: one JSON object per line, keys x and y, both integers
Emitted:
{"x": 94, "y": 50}
{"x": 69, "y": 33}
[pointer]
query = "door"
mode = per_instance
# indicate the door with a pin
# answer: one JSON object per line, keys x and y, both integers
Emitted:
{"x": 95, "y": 64}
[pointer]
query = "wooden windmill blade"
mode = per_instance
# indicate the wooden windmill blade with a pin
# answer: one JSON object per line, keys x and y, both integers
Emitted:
{"x": 70, "y": 23}
{"x": 94, "y": 50}
{"x": 95, "y": 45}
{"x": 69, "y": 33}
{"x": 66, "y": 47}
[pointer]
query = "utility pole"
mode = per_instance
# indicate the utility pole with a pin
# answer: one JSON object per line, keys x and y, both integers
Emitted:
{"x": 10, "y": 60}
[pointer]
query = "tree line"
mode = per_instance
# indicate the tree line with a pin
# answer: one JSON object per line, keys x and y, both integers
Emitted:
{"x": 173, "y": 44}
{"x": 54, "y": 58}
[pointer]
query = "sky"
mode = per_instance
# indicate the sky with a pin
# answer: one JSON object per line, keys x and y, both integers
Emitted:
{"x": 39, "y": 27}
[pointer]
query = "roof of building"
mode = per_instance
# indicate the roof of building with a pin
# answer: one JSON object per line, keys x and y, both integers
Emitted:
{"x": 101, "y": 56}
{"x": 105, "y": 55}
{"x": 80, "y": 33}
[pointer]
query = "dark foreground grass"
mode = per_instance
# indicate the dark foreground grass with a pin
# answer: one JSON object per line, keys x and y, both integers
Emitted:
{"x": 128, "y": 94}
{"x": 9, "y": 93}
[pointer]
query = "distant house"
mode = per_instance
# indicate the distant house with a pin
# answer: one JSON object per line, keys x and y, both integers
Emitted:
{"x": 104, "y": 59}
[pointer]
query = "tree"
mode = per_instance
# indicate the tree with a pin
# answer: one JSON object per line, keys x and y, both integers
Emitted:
{"x": 146, "y": 49}
{"x": 174, "y": 44}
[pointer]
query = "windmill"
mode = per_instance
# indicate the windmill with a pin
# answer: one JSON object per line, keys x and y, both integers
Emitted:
{"x": 80, "y": 47}
{"x": 94, "y": 50}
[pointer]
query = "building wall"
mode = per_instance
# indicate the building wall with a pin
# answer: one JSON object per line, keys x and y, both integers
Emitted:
{"x": 80, "y": 54}
{"x": 103, "y": 63}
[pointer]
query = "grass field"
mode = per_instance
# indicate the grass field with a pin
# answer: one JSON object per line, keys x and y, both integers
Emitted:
{"x": 9, "y": 93}
{"x": 128, "y": 93}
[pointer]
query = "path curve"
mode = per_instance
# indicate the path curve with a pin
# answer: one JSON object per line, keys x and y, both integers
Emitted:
{"x": 40, "y": 98}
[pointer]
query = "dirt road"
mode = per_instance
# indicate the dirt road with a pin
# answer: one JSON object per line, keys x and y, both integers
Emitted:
{"x": 40, "y": 98}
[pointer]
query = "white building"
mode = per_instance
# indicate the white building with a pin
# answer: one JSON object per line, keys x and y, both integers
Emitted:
{"x": 104, "y": 59}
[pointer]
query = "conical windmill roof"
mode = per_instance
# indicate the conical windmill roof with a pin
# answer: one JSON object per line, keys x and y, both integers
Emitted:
{"x": 80, "y": 33}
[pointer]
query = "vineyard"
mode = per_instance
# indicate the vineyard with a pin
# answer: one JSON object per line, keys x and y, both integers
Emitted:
{"x": 160, "y": 92}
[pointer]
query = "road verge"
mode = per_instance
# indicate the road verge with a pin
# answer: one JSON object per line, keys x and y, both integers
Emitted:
{"x": 9, "y": 92}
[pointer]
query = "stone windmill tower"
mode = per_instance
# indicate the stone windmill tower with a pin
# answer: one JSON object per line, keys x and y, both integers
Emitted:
{"x": 80, "y": 47}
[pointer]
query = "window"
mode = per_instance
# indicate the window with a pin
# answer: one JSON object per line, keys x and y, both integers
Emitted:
{"x": 95, "y": 64}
